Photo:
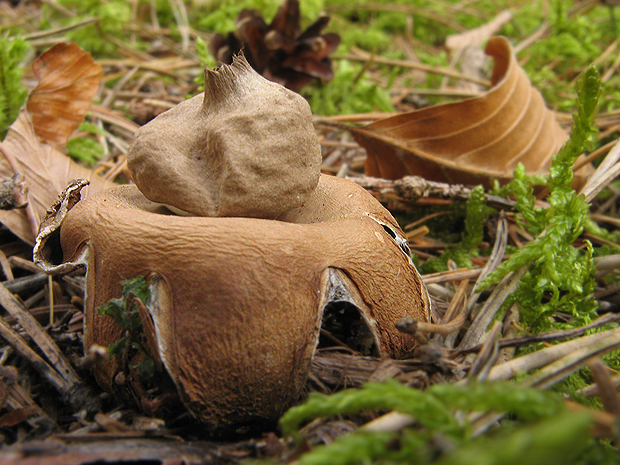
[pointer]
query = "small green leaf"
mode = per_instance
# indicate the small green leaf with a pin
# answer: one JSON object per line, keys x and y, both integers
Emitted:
{"x": 117, "y": 348}
{"x": 116, "y": 309}
{"x": 146, "y": 369}
{"x": 138, "y": 287}
{"x": 126, "y": 315}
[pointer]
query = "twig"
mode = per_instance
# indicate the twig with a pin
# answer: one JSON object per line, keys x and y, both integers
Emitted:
{"x": 364, "y": 57}
{"x": 451, "y": 275}
{"x": 72, "y": 388}
{"x": 407, "y": 9}
{"x": 60, "y": 30}
{"x": 487, "y": 357}
{"x": 111, "y": 117}
{"x": 541, "y": 31}
{"x": 389, "y": 423}
{"x": 27, "y": 282}
{"x": 607, "y": 390}
{"x": 41, "y": 338}
{"x": 491, "y": 306}
{"x": 6, "y": 266}
{"x": 586, "y": 348}
{"x": 412, "y": 188}
{"x": 424, "y": 219}
{"x": 462, "y": 93}
{"x": 412, "y": 326}
{"x": 550, "y": 336}
{"x": 605, "y": 341}
{"x": 46, "y": 371}
{"x": 606, "y": 264}
{"x": 558, "y": 362}
{"x": 50, "y": 287}
{"x": 593, "y": 389}
{"x": 119, "y": 85}
{"x": 545, "y": 28}
{"x": 18, "y": 398}
{"x": 355, "y": 118}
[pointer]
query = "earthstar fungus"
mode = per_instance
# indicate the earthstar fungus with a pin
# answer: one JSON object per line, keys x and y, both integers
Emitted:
{"x": 239, "y": 281}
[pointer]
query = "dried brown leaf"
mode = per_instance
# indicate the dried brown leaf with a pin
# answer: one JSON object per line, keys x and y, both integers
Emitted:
{"x": 47, "y": 171}
{"x": 68, "y": 81}
{"x": 472, "y": 141}
{"x": 17, "y": 416}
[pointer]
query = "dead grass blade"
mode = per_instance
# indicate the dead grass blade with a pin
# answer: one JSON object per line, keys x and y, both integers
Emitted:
{"x": 606, "y": 172}
{"x": 580, "y": 349}
{"x": 476, "y": 37}
{"x": 491, "y": 306}
{"x": 487, "y": 357}
{"x": 496, "y": 257}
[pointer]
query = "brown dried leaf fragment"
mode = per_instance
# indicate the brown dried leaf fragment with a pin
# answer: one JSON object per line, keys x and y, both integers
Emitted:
{"x": 68, "y": 81}
{"x": 472, "y": 141}
{"x": 17, "y": 416}
{"x": 47, "y": 171}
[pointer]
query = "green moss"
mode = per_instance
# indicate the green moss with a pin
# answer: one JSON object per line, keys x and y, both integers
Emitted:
{"x": 86, "y": 148}
{"x": 560, "y": 276}
{"x": 476, "y": 214}
{"x": 349, "y": 92}
{"x": 12, "y": 92}
{"x": 219, "y": 15}
{"x": 114, "y": 17}
{"x": 540, "y": 430}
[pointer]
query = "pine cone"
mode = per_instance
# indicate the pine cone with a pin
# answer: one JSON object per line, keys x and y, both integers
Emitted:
{"x": 280, "y": 51}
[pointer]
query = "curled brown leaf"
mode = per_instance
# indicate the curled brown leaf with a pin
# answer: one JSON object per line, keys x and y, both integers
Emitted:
{"x": 472, "y": 141}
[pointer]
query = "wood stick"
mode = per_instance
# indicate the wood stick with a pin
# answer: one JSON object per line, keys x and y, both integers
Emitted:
{"x": 46, "y": 371}
{"x": 40, "y": 337}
